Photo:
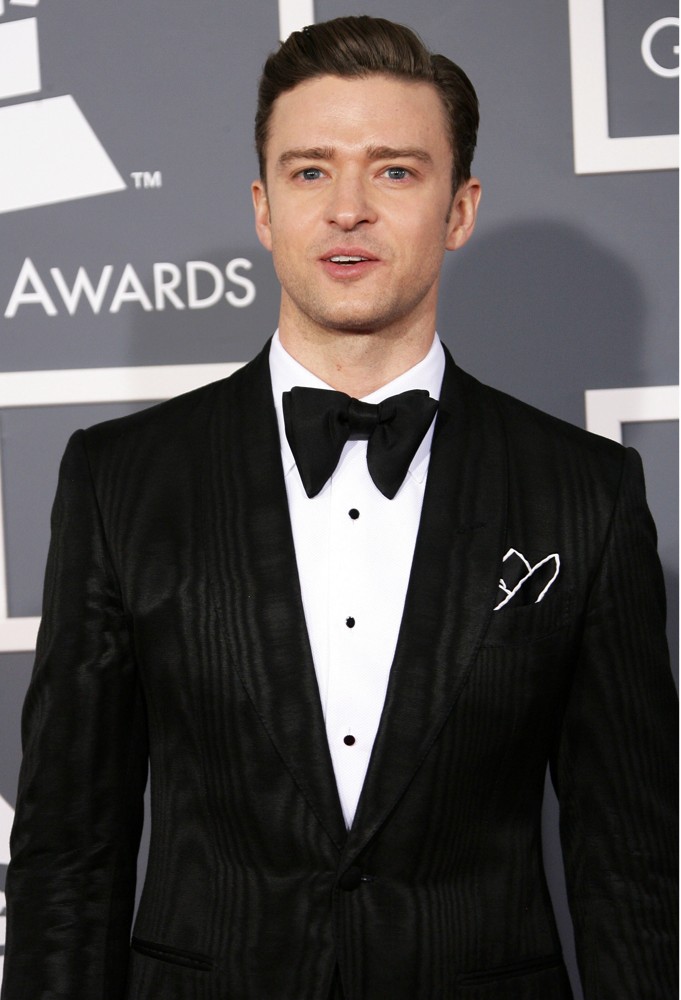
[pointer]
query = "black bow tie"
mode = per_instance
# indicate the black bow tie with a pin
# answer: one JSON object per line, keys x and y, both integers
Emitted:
{"x": 319, "y": 421}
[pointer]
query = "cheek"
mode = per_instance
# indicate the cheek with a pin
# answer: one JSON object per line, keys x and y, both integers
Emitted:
{"x": 424, "y": 226}
{"x": 425, "y": 245}
{"x": 289, "y": 227}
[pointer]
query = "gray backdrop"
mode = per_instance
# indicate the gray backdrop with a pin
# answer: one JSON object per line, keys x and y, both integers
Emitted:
{"x": 126, "y": 154}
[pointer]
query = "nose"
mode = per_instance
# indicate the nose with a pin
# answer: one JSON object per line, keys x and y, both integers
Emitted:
{"x": 350, "y": 202}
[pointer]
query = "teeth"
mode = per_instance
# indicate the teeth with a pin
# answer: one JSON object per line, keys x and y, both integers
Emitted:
{"x": 346, "y": 260}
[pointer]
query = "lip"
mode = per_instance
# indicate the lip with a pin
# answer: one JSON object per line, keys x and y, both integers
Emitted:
{"x": 348, "y": 252}
{"x": 348, "y": 271}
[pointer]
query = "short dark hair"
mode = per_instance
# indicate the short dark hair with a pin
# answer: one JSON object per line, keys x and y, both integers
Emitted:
{"x": 359, "y": 47}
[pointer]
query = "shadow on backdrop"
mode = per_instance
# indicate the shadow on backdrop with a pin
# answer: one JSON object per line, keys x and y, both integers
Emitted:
{"x": 534, "y": 308}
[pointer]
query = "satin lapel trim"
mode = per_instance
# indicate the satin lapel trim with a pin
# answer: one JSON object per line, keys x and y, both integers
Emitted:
{"x": 451, "y": 594}
{"x": 255, "y": 579}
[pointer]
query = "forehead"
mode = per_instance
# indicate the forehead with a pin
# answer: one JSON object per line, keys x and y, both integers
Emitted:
{"x": 372, "y": 110}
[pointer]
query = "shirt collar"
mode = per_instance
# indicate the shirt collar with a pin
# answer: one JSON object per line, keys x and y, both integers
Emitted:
{"x": 286, "y": 373}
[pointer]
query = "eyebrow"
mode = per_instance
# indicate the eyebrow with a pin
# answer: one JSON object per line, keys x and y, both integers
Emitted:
{"x": 307, "y": 153}
{"x": 373, "y": 153}
{"x": 399, "y": 153}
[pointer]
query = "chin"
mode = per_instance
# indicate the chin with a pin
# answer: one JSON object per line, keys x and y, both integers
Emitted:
{"x": 350, "y": 328}
{"x": 352, "y": 324}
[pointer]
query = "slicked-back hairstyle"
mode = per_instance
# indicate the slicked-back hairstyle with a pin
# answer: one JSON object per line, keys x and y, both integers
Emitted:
{"x": 358, "y": 47}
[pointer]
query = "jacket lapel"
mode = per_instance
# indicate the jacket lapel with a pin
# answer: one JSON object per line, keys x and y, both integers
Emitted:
{"x": 255, "y": 579}
{"x": 450, "y": 598}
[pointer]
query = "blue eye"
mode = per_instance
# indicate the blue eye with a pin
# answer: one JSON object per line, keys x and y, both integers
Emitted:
{"x": 397, "y": 173}
{"x": 310, "y": 173}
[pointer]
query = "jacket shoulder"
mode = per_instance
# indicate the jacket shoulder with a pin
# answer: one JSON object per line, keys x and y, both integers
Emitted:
{"x": 180, "y": 419}
{"x": 551, "y": 465}
{"x": 542, "y": 437}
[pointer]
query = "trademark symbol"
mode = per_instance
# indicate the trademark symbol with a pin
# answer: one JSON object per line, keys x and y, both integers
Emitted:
{"x": 147, "y": 179}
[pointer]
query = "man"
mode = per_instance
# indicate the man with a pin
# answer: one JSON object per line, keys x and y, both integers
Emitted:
{"x": 348, "y": 673}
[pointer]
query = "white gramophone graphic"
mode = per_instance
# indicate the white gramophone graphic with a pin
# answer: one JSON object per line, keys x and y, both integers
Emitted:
{"x": 48, "y": 151}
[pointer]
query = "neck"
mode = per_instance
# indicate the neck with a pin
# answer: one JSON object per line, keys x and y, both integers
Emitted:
{"x": 358, "y": 363}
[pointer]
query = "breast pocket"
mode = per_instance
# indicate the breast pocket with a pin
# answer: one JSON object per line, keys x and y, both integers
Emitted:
{"x": 518, "y": 625}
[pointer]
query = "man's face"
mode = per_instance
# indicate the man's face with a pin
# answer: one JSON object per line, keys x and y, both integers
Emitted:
{"x": 357, "y": 208}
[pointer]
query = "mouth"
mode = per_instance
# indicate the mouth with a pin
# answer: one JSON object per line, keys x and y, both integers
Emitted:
{"x": 343, "y": 259}
{"x": 348, "y": 264}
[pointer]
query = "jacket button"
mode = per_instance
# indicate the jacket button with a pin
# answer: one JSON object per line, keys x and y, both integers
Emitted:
{"x": 351, "y": 879}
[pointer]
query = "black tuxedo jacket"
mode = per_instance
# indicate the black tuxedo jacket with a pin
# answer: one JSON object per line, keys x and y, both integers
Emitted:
{"x": 173, "y": 630}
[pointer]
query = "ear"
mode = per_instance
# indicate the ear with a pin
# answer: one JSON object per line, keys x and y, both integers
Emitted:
{"x": 463, "y": 213}
{"x": 261, "y": 208}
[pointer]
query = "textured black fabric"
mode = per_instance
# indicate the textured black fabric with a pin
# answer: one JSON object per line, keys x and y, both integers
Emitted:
{"x": 336, "y": 988}
{"x": 173, "y": 629}
{"x": 320, "y": 421}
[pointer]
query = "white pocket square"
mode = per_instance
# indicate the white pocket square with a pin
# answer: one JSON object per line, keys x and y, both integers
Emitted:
{"x": 521, "y": 578}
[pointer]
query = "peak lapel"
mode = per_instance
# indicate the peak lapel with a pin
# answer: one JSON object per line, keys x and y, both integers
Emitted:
{"x": 450, "y": 598}
{"x": 255, "y": 582}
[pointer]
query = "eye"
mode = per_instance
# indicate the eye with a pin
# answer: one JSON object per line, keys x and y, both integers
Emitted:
{"x": 310, "y": 174}
{"x": 397, "y": 173}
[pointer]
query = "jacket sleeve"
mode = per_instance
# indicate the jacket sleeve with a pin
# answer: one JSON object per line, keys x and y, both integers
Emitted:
{"x": 614, "y": 769}
{"x": 71, "y": 881}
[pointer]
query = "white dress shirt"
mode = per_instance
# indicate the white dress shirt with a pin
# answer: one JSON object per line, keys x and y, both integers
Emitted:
{"x": 354, "y": 550}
